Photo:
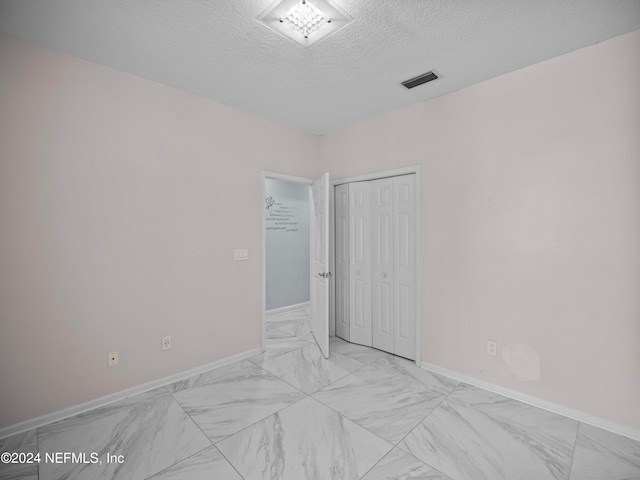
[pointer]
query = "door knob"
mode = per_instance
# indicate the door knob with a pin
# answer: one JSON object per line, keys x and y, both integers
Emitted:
{"x": 384, "y": 275}
{"x": 358, "y": 272}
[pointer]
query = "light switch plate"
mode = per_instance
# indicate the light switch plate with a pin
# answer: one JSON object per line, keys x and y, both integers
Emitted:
{"x": 240, "y": 254}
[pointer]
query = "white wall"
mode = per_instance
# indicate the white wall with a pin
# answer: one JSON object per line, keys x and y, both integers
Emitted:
{"x": 287, "y": 261}
{"x": 531, "y": 223}
{"x": 121, "y": 201}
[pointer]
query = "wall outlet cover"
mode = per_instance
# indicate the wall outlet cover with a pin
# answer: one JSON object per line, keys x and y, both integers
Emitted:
{"x": 112, "y": 359}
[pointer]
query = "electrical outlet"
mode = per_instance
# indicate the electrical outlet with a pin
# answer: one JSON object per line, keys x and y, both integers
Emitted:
{"x": 112, "y": 358}
{"x": 166, "y": 343}
{"x": 492, "y": 348}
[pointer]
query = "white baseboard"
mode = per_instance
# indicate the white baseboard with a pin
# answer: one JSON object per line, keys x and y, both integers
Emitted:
{"x": 114, "y": 397}
{"x": 289, "y": 308}
{"x": 583, "y": 417}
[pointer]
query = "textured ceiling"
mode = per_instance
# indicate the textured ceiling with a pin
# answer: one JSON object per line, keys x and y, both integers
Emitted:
{"x": 217, "y": 48}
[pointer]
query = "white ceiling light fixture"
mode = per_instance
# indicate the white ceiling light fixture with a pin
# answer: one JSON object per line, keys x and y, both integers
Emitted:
{"x": 305, "y": 18}
{"x": 306, "y": 22}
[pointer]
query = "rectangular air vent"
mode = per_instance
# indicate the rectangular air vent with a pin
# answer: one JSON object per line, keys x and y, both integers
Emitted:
{"x": 419, "y": 80}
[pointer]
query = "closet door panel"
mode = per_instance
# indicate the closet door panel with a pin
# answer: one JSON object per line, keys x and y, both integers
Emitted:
{"x": 382, "y": 260}
{"x": 360, "y": 262}
{"x": 358, "y": 300}
{"x": 341, "y": 203}
{"x": 404, "y": 233}
{"x": 403, "y": 312}
{"x": 402, "y": 227}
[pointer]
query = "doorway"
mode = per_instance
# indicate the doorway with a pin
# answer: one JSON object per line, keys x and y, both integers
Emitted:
{"x": 285, "y": 245}
{"x": 295, "y": 250}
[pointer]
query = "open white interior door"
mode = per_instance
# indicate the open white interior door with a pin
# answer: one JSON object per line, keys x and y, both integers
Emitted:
{"x": 320, "y": 262}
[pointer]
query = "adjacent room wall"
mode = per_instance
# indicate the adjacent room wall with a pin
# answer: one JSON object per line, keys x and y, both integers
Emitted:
{"x": 121, "y": 201}
{"x": 531, "y": 224}
{"x": 287, "y": 239}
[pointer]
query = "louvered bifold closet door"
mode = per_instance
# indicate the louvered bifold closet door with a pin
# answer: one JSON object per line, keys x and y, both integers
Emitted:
{"x": 404, "y": 239}
{"x": 382, "y": 259}
{"x": 342, "y": 260}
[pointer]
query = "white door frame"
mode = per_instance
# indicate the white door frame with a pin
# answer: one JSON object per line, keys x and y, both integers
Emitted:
{"x": 374, "y": 176}
{"x": 273, "y": 176}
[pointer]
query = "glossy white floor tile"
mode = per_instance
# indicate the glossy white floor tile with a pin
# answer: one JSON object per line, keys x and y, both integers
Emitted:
{"x": 355, "y": 351}
{"x": 388, "y": 405}
{"x": 398, "y": 465}
{"x": 604, "y": 455}
{"x": 254, "y": 419}
{"x": 304, "y": 441}
{"x": 26, "y": 443}
{"x": 208, "y": 377}
{"x": 208, "y": 464}
{"x": 279, "y": 342}
{"x": 409, "y": 370}
{"x": 293, "y": 324}
{"x": 230, "y": 403}
{"x": 300, "y": 315}
{"x": 150, "y": 431}
{"x": 475, "y": 435}
{"x": 276, "y": 333}
{"x": 308, "y": 370}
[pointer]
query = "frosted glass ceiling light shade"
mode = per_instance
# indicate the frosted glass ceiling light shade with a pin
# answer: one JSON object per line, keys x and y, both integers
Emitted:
{"x": 305, "y": 18}
{"x": 303, "y": 21}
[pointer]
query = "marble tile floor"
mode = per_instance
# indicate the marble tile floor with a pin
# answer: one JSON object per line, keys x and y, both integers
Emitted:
{"x": 291, "y": 414}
